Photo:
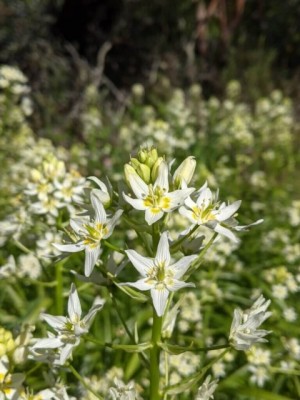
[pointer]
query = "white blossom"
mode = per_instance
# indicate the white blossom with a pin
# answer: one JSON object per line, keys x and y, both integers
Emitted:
{"x": 243, "y": 331}
{"x": 90, "y": 233}
{"x": 69, "y": 329}
{"x": 155, "y": 199}
{"x": 207, "y": 389}
{"x": 158, "y": 274}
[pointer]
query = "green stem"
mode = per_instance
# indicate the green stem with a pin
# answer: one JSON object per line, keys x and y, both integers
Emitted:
{"x": 199, "y": 259}
{"x": 155, "y": 237}
{"x": 178, "y": 242}
{"x": 82, "y": 381}
{"x": 154, "y": 357}
{"x": 113, "y": 247}
{"x": 59, "y": 288}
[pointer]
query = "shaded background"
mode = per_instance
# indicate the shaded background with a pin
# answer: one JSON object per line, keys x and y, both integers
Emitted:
{"x": 64, "y": 45}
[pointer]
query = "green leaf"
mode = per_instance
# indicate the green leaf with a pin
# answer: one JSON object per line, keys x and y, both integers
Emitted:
{"x": 138, "y": 296}
{"x": 132, "y": 348}
{"x": 175, "y": 349}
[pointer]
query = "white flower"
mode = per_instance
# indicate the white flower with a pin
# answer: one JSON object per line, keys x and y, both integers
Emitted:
{"x": 243, "y": 331}
{"x": 155, "y": 199}
{"x": 158, "y": 275}
{"x": 104, "y": 193}
{"x": 69, "y": 329}
{"x": 259, "y": 374}
{"x": 207, "y": 389}
{"x": 207, "y": 211}
{"x": 184, "y": 173}
{"x": 91, "y": 232}
{"x": 122, "y": 391}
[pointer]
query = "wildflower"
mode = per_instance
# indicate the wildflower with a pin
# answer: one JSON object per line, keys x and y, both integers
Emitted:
{"x": 158, "y": 275}
{"x": 155, "y": 199}
{"x": 69, "y": 329}
{"x": 207, "y": 211}
{"x": 259, "y": 374}
{"x": 122, "y": 391}
{"x": 206, "y": 390}
{"x": 91, "y": 232}
{"x": 243, "y": 331}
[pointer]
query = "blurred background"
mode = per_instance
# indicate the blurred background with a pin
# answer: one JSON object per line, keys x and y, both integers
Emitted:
{"x": 63, "y": 46}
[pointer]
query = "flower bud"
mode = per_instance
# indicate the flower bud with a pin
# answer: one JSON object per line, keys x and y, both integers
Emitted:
{"x": 184, "y": 172}
{"x": 155, "y": 169}
{"x": 144, "y": 172}
{"x": 129, "y": 170}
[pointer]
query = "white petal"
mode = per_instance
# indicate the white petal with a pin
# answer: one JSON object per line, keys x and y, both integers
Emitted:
{"x": 69, "y": 248}
{"x": 138, "y": 186}
{"x": 226, "y": 232}
{"x": 159, "y": 298}
{"x": 187, "y": 213}
{"x": 178, "y": 197}
{"x": 137, "y": 204}
{"x": 48, "y": 343}
{"x": 74, "y": 307}
{"x": 190, "y": 203}
{"x": 245, "y": 227}
{"x": 140, "y": 263}
{"x": 163, "y": 250}
{"x": 141, "y": 284}
{"x": 77, "y": 226}
{"x": 91, "y": 257}
{"x": 179, "y": 285}
{"x": 112, "y": 223}
{"x": 152, "y": 217}
{"x": 57, "y": 322}
{"x": 205, "y": 198}
{"x": 228, "y": 211}
{"x": 66, "y": 351}
{"x": 182, "y": 265}
{"x": 97, "y": 306}
{"x": 162, "y": 179}
{"x": 99, "y": 183}
{"x": 100, "y": 214}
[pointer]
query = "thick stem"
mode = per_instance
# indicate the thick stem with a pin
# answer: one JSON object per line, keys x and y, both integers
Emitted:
{"x": 154, "y": 357}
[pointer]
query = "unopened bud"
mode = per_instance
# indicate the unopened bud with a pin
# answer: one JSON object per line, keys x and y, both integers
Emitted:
{"x": 134, "y": 162}
{"x": 128, "y": 171}
{"x": 184, "y": 172}
{"x": 144, "y": 172}
{"x": 155, "y": 169}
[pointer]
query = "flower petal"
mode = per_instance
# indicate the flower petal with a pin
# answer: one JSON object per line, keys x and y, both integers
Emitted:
{"x": 100, "y": 214}
{"x": 163, "y": 250}
{"x": 137, "y": 204}
{"x": 187, "y": 213}
{"x": 97, "y": 306}
{"x": 138, "y": 186}
{"x": 91, "y": 257}
{"x": 245, "y": 227}
{"x": 74, "y": 306}
{"x": 66, "y": 352}
{"x": 141, "y": 284}
{"x": 177, "y": 198}
{"x": 152, "y": 215}
{"x": 69, "y": 248}
{"x": 226, "y": 232}
{"x": 140, "y": 263}
{"x": 179, "y": 285}
{"x": 162, "y": 180}
{"x": 228, "y": 211}
{"x": 48, "y": 343}
{"x": 159, "y": 298}
{"x": 57, "y": 322}
{"x": 112, "y": 223}
{"x": 182, "y": 265}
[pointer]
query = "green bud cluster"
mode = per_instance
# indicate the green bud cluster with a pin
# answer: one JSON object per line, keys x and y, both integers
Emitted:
{"x": 145, "y": 164}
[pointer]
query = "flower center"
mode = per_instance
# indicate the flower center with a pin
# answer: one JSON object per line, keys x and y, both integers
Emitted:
{"x": 156, "y": 199}
{"x": 203, "y": 215}
{"x": 96, "y": 232}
